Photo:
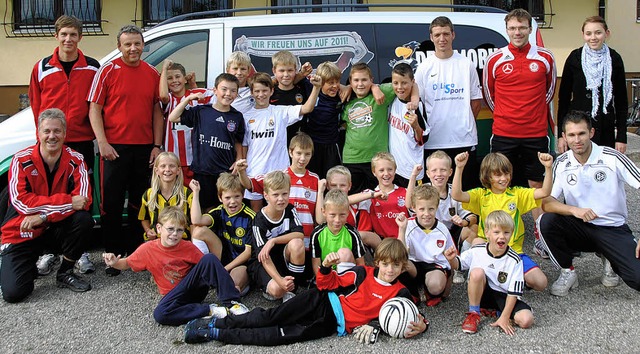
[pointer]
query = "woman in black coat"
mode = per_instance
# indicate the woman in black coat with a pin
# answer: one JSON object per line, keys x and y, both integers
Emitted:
{"x": 593, "y": 80}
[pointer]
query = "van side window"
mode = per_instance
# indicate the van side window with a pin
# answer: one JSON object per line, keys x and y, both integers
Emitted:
{"x": 186, "y": 48}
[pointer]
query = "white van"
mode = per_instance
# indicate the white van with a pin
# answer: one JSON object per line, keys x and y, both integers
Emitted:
{"x": 378, "y": 38}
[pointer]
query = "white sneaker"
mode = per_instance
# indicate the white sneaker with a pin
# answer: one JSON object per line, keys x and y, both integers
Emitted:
{"x": 238, "y": 308}
{"x": 46, "y": 263}
{"x": 458, "y": 277}
{"x": 268, "y": 296}
{"x": 218, "y": 311}
{"x": 567, "y": 280}
{"x": 288, "y": 296}
{"x": 609, "y": 277}
{"x": 84, "y": 265}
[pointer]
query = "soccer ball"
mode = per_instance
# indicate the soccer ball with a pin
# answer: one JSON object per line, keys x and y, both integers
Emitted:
{"x": 396, "y": 314}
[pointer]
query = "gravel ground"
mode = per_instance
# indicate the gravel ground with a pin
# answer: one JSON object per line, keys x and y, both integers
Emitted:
{"x": 116, "y": 316}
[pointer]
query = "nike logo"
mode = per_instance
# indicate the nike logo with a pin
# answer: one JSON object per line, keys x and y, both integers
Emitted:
{"x": 432, "y": 75}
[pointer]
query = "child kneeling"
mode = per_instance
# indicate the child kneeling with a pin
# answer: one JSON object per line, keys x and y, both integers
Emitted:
{"x": 496, "y": 280}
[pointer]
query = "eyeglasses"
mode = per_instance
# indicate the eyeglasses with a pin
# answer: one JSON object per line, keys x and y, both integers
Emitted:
{"x": 173, "y": 230}
{"x": 518, "y": 29}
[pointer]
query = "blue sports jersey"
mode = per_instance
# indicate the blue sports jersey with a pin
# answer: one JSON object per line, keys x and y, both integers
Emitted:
{"x": 235, "y": 231}
{"x": 213, "y": 138}
{"x": 323, "y": 123}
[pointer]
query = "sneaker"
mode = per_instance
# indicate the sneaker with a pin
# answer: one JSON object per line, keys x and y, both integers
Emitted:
{"x": 268, "y": 296}
{"x": 433, "y": 301}
{"x": 609, "y": 277}
{"x": 72, "y": 281}
{"x": 46, "y": 263}
{"x": 84, "y": 265}
{"x": 538, "y": 246}
{"x": 567, "y": 280}
{"x": 470, "y": 324}
{"x": 238, "y": 308}
{"x": 488, "y": 313}
{"x": 288, "y": 296}
{"x": 218, "y": 311}
{"x": 200, "y": 330}
{"x": 458, "y": 277}
{"x": 112, "y": 272}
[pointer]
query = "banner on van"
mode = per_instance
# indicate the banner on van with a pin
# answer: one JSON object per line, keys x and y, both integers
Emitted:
{"x": 349, "y": 45}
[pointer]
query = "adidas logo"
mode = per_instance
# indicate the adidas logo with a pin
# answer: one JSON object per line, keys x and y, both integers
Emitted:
{"x": 220, "y": 119}
{"x": 34, "y": 172}
{"x": 377, "y": 203}
{"x": 116, "y": 66}
{"x": 299, "y": 182}
{"x": 229, "y": 223}
{"x": 491, "y": 266}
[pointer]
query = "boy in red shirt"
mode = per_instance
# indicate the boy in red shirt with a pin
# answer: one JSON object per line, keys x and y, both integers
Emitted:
{"x": 183, "y": 274}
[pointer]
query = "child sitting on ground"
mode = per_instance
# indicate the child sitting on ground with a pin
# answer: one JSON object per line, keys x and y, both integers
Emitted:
{"x": 495, "y": 277}
{"x": 279, "y": 242}
{"x": 335, "y": 235}
{"x": 342, "y": 303}
{"x": 495, "y": 175}
{"x": 426, "y": 239}
{"x": 229, "y": 224}
{"x": 183, "y": 275}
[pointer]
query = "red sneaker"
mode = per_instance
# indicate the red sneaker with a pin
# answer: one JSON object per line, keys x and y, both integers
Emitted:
{"x": 433, "y": 301}
{"x": 489, "y": 313}
{"x": 470, "y": 324}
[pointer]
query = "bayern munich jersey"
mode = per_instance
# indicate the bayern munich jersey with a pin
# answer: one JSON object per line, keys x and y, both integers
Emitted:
{"x": 405, "y": 147}
{"x": 178, "y": 136}
{"x": 428, "y": 245}
{"x": 504, "y": 273}
{"x": 266, "y": 137}
{"x": 382, "y": 213}
{"x": 598, "y": 184}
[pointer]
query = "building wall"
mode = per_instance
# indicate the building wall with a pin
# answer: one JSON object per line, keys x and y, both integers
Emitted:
{"x": 20, "y": 54}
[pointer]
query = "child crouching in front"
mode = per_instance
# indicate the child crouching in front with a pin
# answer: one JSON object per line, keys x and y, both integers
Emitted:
{"x": 496, "y": 280}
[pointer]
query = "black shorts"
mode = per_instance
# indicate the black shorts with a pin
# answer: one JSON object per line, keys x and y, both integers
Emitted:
{"x": 523, "y": 154}
{"x": 471, "y": 171}
{"x": 361, "y": 177}
{"x": 324, "y": 157}
{"x": 423, "y": 268}
{"x": 259, "y": 275}
{"x": 495, "y": 300}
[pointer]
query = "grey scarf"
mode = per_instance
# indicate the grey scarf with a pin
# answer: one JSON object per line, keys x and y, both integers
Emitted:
{"x": 596, "y": 65}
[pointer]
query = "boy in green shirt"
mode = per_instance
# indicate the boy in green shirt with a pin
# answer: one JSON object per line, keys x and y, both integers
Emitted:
{"x": 335, "y": 235}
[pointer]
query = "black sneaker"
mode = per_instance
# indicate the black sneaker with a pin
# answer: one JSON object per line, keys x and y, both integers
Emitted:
{"x": 112, "y": 272}
{"x": 200, "y": 330}
{"x": 72, "y": 281}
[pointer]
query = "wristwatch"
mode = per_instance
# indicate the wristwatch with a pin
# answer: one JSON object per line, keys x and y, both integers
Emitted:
{"x": 158, "y": 146}
{"x": 43, "y": 217}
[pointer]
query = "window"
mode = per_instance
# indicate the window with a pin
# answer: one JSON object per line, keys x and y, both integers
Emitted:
{"x": 37, "y": 17}
{"x": 156, "y": 11}
{"x": 316, "y": 2}
{"x": 535, "y": 7}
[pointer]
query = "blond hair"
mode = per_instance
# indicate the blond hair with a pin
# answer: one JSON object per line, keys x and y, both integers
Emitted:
{"x": 302, "y": 141}
{"x": 276, "y": 180}
{"x": 284, "y": 57}
{"x": 239, "y": 58}
{"x": 177, "y": 189}
{"x": 337, "y": 198}
{"x": 338, "y": 170}
{"x": 173, "y": 214}
{"x": 500, "y": 219}
{"x": 328, "y": 71}
{"x": 425, "y": 192}
{"x": 383, "y": 155}
{"x": 361, "y": 67}
{"x": 439, "y": 154}
{"x": 228, "y": 182}
{"x": 494, "y": 163}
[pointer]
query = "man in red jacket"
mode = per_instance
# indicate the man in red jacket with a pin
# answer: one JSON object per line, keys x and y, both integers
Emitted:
{"x": 62, "y": 80}
{"x": 49, "y": 195}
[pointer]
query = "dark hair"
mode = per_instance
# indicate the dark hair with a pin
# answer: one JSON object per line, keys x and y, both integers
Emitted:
{"x": 130, "y": 29}
{"x": 70, "y": 21}
{"x": 178, "y": 66}
{"x": 403, "y": 69}
{"x": 576, "y": 117}
{"x": 261, "y": 78}
{"x": 228, "y": 78}
{"x": 441, "y": 21}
